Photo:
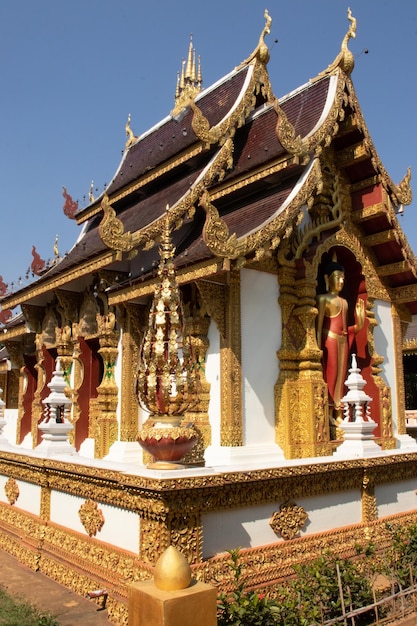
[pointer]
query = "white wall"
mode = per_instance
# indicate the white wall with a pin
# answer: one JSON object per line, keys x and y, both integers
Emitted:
{"x": 29, "y": 498}
{"x": 384, "y": 346}
{"x": 250, "y": 528}
{"x": 120, "y": 528}
{"x": 396, "y": 498}
{"x": 261, "y": 339}
{"x": 9, "y": 431}
{"x": 213, "y": 377}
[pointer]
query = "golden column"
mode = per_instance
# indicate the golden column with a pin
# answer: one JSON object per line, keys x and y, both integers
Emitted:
{"x": 231, "y": 367}
{"x": 302, "y": 419}
{"x": 106, "y": 425}
{"x": 197, "y": 325}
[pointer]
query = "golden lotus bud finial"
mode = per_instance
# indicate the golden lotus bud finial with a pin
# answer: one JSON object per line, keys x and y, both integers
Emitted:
{"x": 172, "y": 571}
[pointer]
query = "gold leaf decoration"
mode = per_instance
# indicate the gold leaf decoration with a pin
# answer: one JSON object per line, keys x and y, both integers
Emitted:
{"x": 11, "y": 489}
{"x": 91, "y": 517}
{"x": 289, "y": 520}
{"x": 111, "y": 229}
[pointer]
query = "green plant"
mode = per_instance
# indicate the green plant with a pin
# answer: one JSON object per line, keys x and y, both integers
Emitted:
{"x": 330, "y": 584}
{"x": 319, "y": 591}
{"x": 17, "y": 612}
{"x": 244, "y": 608}
{"x": 401, "y": 556}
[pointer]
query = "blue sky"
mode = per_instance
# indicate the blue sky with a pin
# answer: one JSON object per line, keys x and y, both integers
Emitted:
{"x": 71, "y": 72}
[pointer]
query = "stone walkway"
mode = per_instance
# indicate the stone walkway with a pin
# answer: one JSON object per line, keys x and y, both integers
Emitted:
{"x": 69, "y": 608}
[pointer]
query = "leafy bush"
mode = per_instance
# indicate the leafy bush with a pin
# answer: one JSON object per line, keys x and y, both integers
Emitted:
{"x": 401, "y": 556}
{"x": 244, "y": 608}
{"x": 323, "y": 584}
{"x": 312, "y": 596}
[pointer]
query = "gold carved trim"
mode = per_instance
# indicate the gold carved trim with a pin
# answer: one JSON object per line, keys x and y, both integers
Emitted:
{"x": 369, "y": 212}
{"x": 261, "y": 52}
{"x": 399, "y": 330}
{"x": 289, "y": 520}
{"x": 11, "y": 489}
{"x": 369, "y": 507}
{"x": 134, "y": 320}
{"x": 245, "y": 180}
{"x": 401, "y": 193}
{"x": 393, "y": 268}
{"x": 183, "y": 157}
{"x": 17, "y": 331}
{"x": 91, "y": 517}
{"x": 111, "y": 229}
{"x": 45, "y": 508}
{"x": 231, "y": 429}
{"x": 216, "y": 169}
{"x": 224, "y": 244}
{"x": 37, "y": 289}
{"x": 145, "y": 494}
{"x": 185, "y": 275}
{"x": 405, "y": 294}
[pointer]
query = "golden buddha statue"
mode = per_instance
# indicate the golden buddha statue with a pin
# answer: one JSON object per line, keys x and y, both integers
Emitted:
{"x": 335, "y": 337}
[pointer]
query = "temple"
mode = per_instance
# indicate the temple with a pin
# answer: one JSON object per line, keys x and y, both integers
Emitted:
{"x": 185, "y": 316}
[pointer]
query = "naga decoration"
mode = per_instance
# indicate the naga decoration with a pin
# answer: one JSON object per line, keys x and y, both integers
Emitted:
{"x": 111, "y": 229}
{"x": 131, "y": 138}
{"x": 261, "y": 51}
{"x": 70, "y": 206}
{"x": 345, "y": 59}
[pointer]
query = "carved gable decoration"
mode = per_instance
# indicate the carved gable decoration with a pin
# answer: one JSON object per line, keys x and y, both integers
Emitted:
{"x": 88, "y": 316}
{"x": 50, "y": 323}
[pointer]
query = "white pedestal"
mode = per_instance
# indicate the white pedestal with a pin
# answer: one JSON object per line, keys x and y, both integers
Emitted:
{"x": 55, "y": 439}
{"x": 359, "y": 441}
{"x": 406, "y": 442}
{"x": 252, "y": 456}
{"x": 4, "y": 442}
{"x": 125, "y": 452}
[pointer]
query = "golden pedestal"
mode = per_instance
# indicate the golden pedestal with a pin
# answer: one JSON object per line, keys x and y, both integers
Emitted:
{"x": 150, "y": 606}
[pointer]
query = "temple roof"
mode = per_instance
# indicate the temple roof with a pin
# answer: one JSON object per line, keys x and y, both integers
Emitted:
{"x": 234, "y": 165}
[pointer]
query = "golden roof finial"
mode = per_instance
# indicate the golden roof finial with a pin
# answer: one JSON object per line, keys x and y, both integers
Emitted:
{"x": 90, "y": 192}
{"x": 189, "y": 82}
{"x": 131, "y": 138}
{"x": 261, "y": 51}
{"x": 345, "y": 59}
{"x": 56, "y": 251}
{"x": 190, "y": 69}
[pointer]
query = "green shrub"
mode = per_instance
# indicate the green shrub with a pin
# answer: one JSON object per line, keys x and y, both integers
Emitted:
{"x": 244, "y": 608}
{"x": 401, "y": 556}
{"x": 313, "y": 595}
{"x": 319, "y": 584}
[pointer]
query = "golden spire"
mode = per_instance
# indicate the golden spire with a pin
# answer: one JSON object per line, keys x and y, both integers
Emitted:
{"x": 189, "y": 81}
{"x": 190, "y": 69}
{"x": 167, "y": 378}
